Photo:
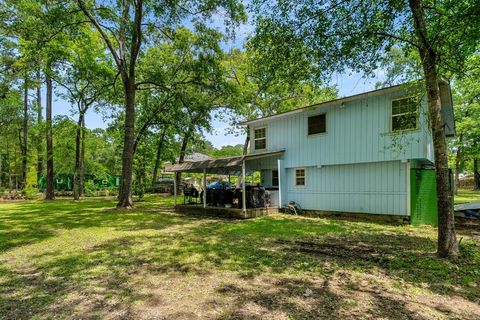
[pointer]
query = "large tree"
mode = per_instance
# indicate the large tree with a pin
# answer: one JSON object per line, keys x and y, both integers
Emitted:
{"x": 121, "y": 25}
{"x": 466, "y": 95}
{"x": 10, "y": 125}
{"x": 41, "y": 31}
{"x": 261, "y": 89}
{"x": 358, "y": 35}
{"x": 86, "y": 77}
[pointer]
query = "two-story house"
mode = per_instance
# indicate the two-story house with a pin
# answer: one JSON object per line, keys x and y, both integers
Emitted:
{"x": 365, "y": 153}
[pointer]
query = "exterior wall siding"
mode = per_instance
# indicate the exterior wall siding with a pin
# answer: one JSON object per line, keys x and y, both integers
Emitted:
{"x": 357, "y": 132}
{"x": 379, "y": 187}
{"x": 357, "y": 165}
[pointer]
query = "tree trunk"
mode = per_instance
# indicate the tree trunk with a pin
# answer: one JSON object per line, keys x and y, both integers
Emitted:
{"x": 245, "y": 144}
{"x": 39, "y": 124}
{"x": 476, "y": 175}
{"x": 50, "y": 193}
{"x": 77, "y": 169}
{"x": 458, "y": 158}
{"x": 25, "y": 135}
{"x": 140, "y": 179}
{"x": 447, "y": 239}
{"x": 457, "y": 171}
{"x": 10, "y": 186}
{"x": 181, "y": 158}
{"x": 15, "y": 166}
{"x": 1, "y": 167}
{"x": 157, "y": 159}
{"x": 125, "y": 194}
{"x": 82, "y": 159}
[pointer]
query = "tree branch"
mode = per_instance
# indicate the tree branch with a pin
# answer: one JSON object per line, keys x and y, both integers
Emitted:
{"x": 105, "y": 37}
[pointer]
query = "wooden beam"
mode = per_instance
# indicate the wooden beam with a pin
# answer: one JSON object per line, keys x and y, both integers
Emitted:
{"x": 244, "y": 188}
{"x": 280, "y": 180}
{"x": 175, "y": 190}
{"x": 204, "y": 188}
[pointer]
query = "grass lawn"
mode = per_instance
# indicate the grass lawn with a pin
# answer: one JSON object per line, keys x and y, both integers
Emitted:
{"x": 465, "y": 195}
{"x": 84, "y": 260}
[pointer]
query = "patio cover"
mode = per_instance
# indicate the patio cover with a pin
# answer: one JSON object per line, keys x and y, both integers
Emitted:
{"x": 231, "y": 165}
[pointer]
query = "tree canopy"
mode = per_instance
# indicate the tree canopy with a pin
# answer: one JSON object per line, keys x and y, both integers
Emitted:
{"x": 160, "y": 73}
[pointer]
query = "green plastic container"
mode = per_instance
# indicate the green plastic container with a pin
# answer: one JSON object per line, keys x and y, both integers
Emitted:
{"x": 423, "y": 197}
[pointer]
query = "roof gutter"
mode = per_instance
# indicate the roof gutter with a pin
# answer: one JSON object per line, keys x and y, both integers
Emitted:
{"x": 340, "y": 101}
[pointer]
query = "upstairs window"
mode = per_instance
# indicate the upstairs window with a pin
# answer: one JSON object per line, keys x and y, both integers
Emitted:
{"x": 404, "y": 114}
{"x": 274, "y": 178}
{"x": 317, "y": 124}
{"x": 260, "y": 138}
{"x": 300, "y": 177}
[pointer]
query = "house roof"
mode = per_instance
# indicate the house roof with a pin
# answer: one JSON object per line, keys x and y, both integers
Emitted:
{"x": 338, "y": 101}
{"x": 446, "y": 96}
{"x": 220, "y": 165}
{"x": 196, "y": 156}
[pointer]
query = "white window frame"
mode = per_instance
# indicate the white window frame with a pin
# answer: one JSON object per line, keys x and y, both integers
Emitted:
{"x": 304, "y": 177}
{"x": 264, "y": 138}
{"x": 401, "y": 114}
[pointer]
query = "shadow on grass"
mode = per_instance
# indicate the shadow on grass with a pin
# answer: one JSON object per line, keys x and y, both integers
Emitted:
{"x": 97, "y": 281}
{"x": 101, "y": 274}
{"x": 33, "y": 221}
{"x": 400, "y": 255}
{"x": 307, "y": 299}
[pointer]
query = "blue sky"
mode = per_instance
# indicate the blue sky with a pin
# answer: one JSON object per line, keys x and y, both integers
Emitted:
{"x": 348, "y": 84}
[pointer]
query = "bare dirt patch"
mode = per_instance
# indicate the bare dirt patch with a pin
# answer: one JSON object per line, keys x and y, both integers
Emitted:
{"x": 343, "y": 295}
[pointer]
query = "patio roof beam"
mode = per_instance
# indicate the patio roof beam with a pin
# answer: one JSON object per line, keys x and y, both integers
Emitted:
{"x": 204, "y": 188}
{"x": 244, "y": 193}
{"x": 221, "y": 166}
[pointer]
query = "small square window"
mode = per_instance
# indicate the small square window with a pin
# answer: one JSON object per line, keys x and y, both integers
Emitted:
{"x": 317, "y": 124}
{"x": 404, "y": 114}
{"x": 260, "y": 138}
{"x": 300, "y": 177}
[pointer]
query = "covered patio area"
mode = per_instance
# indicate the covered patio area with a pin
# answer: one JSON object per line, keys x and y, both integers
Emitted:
{"x": 244, "y": 199}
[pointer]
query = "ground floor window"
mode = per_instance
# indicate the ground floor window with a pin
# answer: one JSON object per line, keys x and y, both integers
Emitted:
{"x": 300, "y": 177}
{"x": 274, "y": 178}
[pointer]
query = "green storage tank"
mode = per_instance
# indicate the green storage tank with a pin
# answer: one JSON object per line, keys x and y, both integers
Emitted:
{"x": 423, "y": 197}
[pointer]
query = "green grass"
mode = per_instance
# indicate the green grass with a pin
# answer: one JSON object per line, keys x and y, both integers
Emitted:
{"x": 465, "y": 195}
{"x": 64, "y": 258}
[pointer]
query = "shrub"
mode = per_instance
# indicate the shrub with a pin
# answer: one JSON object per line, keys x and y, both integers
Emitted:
{"x": 30, "y": 192}
{"x": 90, "y": 188}
{"x": 112, "y": 191}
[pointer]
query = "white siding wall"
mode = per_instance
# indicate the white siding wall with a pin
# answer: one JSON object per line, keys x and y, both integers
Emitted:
{"x": 367, "y": 187}
{"x": 357, "y": 132}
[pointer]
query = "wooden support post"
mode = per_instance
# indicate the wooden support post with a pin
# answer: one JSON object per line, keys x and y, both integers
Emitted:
{"x": 280, "y": 181}
{"x": 204, "y": 188}
{"x": 408, "y": 165}
{"x": 244, "y": 188}
{"x": 175, "y": 189}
